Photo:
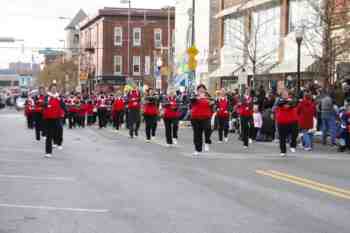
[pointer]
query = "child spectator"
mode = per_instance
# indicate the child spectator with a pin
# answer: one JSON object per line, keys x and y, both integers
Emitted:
{"x": 258, "y": 122}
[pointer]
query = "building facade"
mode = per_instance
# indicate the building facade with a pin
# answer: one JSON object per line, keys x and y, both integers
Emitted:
{"x": 104, "y": 39}
{"x": 72, "y": 35}
{"x": 260, "y": 36}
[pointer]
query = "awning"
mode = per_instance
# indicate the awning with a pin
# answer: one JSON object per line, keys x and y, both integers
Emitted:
{"x": 289, "y": 63}
{"x": 242, "y": 6}
{"x": 291, "y": 66}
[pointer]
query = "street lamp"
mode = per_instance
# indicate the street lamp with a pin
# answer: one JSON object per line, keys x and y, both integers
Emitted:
{"x": 129, "y": 19}
{"x": 299, "y": 34}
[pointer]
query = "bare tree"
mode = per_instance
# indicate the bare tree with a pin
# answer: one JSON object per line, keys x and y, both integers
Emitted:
{"x": 327, "y": 35}
{"x": 59, "y": 71}
{"x": 247, "y": 37}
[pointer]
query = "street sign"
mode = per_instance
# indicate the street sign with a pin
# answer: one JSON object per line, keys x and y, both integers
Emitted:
{"x": 192, "y": 51}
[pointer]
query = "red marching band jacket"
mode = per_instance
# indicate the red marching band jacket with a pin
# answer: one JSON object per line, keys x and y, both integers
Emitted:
{"x": 118, "y": 105}
{"x": 201, "y": 109}
{"x": 101, "y": 103}
{"x": 245, "y": 108}
{"x": 286, "y": 114}
{"x": 222, "y": 106}
{"x": 53, "y": 109}
{"x": 29, "y": 107}
{"x": 39, "y": 104}
{"x": 134, "y": 99}
{"x": 150, "y": 109}
{"x": 171, "y": 110}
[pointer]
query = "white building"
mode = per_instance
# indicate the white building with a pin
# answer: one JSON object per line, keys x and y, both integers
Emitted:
{"x": 72, "y": 35}
{"x": 204, "y": 27}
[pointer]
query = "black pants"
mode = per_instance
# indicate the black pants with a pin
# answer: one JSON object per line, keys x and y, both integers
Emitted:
{"x": 133, "y": 122}
{"x": 30, "y": 121}
{"x": 285, "y": 131}
{"x": 52, "y": 131}
{"x": 223, "y": 128}
{"x": 150, "y": 126}
{"x": 171, "y": 129}
{"x": 118, "y": 119}
{"x": 39, "y": 127}
{"x": 102, "y": 117}
{"x": 82, "y": 121}
{"x": 201, "y": 127}
{"x": 72, "y": 116}
{"x": 246, "y": 129}
{"x": 58, "y": 139}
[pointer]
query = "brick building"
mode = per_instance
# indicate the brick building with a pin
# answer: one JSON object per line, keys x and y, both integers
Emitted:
{"x": 104, "y": 41}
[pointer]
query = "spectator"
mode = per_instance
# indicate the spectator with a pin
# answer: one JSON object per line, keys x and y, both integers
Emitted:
{"x": 328, "y": 117}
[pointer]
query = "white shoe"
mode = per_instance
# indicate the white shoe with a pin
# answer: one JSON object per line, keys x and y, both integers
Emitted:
{"x": 250, "y": 141}
{"x": 220, "y": 142}
{"x": 175, "y": 141}
{"x": 196, "y": 153}
{"x": 283, "y": 155}
{"x": 148, "y": 141}
{"x": 292, "y": 150}
{"x": 308, "y": 149}
{"x": 54, "y": 146}
{"x": 226, "y": 140}
{"x": 168, "y": 145}
{"x": 48, "y": 156}
{"x": 60, "y": 147}
{"x": 206, "y": 148}
{"x": 245, "y": 147}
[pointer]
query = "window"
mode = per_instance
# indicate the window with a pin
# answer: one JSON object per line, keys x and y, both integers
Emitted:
{"x": 136, "y": 65}
{"x": 303, "y": 13}
{"x": 137, "y": 36}
{"x": 158, "y": 38}
{"x": 118, "y": 36}
{"x": 147, "y": 65}
{"x": 118, "y": 65}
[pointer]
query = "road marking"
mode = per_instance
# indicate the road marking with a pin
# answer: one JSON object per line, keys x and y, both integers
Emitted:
{"x": 341, "y": 193}
{"x": 311, "y": 182}
{"x": 51, "y": 208}
{"x": 68, "y": 179}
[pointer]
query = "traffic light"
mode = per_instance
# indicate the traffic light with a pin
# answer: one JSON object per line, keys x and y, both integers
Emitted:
{"x": 192, "y": 61}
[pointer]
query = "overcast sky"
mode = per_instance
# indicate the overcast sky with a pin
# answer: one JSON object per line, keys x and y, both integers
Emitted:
{"x": 37, "y": 23}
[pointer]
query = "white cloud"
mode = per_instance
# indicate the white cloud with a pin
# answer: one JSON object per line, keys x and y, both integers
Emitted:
{"x": 36, "y": 21}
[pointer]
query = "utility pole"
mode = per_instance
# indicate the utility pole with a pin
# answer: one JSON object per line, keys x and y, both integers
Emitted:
{"x": 193, "y": 38}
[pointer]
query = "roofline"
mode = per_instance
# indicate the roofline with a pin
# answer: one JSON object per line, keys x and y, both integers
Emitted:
{"x": 135, "y": 12}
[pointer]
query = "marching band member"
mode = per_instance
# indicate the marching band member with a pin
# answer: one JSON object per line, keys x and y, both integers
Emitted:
{"x": 150, "y": 113}
{"x": 29, "y": 112}
{"x": 287, "y": 122}
{"x": 53, "y": 112}
{"x": 201, "y": 113}
{"x": 39, "y": 102}
{"x": 118, "y": 110}
{"x": 102, "y": 111}
{"x": 134, "y": 107}
{"x": 223, "y": 115}
{"x": 245, "y": 111}
{"x": 171, "y": 116}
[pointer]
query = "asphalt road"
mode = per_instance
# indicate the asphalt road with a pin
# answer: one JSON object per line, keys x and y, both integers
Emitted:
{"x": 104, "y": 182}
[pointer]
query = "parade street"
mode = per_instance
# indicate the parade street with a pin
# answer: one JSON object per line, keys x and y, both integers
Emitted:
{"x": 104, "y": 182}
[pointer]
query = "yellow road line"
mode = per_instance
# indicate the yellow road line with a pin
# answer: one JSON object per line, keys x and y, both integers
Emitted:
{"x": 303, "y": 184}
{"x": 311, "y": 182}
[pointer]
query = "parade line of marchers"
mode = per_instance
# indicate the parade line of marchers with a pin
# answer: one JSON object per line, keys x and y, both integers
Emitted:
{"x": 48, "y": 111}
